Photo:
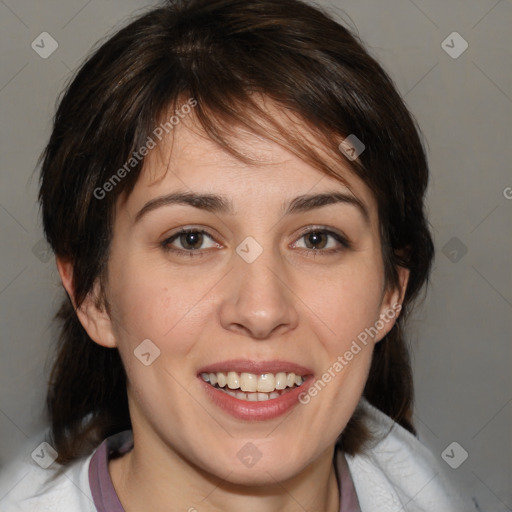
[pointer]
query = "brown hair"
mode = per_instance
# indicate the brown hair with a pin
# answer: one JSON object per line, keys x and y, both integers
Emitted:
{"x": 220, "y": 52}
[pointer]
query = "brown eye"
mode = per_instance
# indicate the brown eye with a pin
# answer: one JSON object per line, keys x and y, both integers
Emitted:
{"x": 188, "y": 241}
{"x": 316, "y": 240}
{"x": 192, "y": 240}
{"x": 322, "y": 241}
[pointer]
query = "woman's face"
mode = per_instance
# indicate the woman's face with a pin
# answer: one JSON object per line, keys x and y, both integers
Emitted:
{"x": 281, "y": 273}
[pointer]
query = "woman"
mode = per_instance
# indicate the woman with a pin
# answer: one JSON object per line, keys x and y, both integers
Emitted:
{"x": 234, "y": 192}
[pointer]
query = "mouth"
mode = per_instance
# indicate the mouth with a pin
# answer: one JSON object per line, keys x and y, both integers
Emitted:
{"x": 251, "y": 387}
{"x": 251, "y": 390}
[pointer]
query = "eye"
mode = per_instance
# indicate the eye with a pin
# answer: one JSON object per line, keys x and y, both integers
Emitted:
{"x": 322, "y": 241}
{"x": 189, "y": 241}
{"x": 193, "y": 242}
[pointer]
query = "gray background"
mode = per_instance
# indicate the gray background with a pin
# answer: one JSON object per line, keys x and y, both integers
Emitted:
{"x": 461, "y": 334}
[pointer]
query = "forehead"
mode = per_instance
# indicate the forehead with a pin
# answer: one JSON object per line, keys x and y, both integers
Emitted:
{"x": 188, "y": 160}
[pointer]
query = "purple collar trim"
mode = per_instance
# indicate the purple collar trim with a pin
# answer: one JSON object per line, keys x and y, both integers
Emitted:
{"x": 106, "y": 499}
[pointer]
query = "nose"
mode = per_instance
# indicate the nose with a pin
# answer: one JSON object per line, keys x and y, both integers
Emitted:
{"x": 258, "y": 302}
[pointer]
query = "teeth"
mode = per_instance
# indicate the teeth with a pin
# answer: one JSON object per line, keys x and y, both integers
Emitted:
{"x": 233, "y": 380}
{"x": 264, "y": 385}
{"x": 221, "y": 379}
{"x": 248, "y": 382}
{"x": 256, "y": 396}
{"x": 281, "y": 381}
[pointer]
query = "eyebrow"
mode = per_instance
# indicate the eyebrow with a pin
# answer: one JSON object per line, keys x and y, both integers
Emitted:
{"x": 222, "y": 204}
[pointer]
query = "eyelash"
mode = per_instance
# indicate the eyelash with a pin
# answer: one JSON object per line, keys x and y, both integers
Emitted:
{"x": 344, "y": 243}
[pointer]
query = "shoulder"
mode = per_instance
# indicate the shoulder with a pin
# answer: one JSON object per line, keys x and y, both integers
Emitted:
{"x": 396, "y": 472}
{"x": 26, "y": 486}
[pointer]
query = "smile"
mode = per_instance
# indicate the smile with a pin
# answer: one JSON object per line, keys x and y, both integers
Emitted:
{"x": 251, "y": 387}
{"x": 254, "y": 390}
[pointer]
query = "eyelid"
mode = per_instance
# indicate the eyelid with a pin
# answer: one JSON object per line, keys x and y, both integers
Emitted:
{"x": 340, "y": 237}
{"x": 165, "y": 244}
{"x": 342, "y": 240}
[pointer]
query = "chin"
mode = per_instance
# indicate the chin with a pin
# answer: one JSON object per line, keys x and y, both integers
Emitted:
{"x": 263, "y": 475}
{"x": 250, "y": 466}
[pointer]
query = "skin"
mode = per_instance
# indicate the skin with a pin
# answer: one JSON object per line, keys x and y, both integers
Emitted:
{"x": 289, "y": 304}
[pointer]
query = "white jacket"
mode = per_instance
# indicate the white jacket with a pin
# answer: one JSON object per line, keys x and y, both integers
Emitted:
{"x": 396, "y": 473}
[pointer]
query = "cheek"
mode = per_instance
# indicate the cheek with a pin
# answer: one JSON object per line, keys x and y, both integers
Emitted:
{"x": 346, "y": 304}
{"x": 149, "y": 302}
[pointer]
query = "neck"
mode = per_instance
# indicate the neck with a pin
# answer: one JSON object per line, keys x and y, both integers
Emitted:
{"x": 150, "y": 479}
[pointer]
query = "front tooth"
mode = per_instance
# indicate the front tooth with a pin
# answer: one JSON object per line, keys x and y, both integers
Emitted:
{"x": 274, "y": 394}
{"x": 266, "y": 383}
{"x": 281, "y": 380}
{"x": 262, "y": 397}
{"x": 233, "y": 380}
{"x": 221, "y": 379}
{"x": 290, "y": 379}
{"x": 213, "y": 379}
{"x": 248, "y": 382}
{"x": 252, "y": 397}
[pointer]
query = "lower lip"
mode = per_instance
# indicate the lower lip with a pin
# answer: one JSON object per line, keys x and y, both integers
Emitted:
{"x": 264, "y": 410}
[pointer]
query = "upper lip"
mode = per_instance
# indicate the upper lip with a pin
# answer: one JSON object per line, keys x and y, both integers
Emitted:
{"x": 257, "y": 367}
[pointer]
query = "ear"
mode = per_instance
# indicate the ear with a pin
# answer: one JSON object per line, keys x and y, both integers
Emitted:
{"x": 94, "y": 319}
{"x": 391, "y": 304}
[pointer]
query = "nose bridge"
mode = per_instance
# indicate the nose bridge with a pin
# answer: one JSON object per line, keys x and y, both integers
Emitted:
{"x": 258, "y": 299}
{"x": 260, "y": 271}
